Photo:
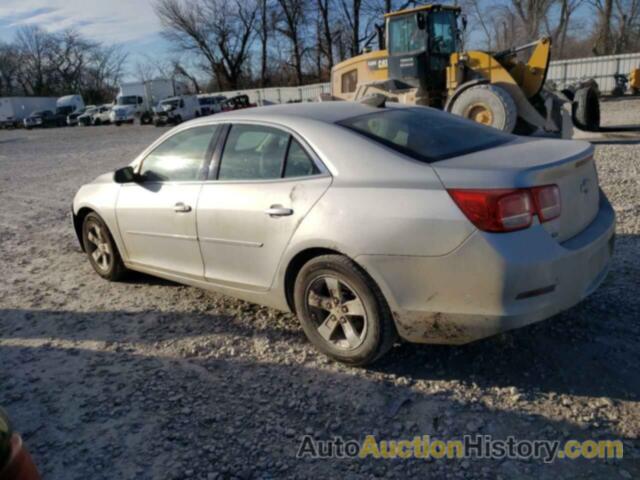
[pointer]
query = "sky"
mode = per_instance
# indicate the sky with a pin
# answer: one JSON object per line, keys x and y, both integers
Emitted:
{"x": 131, "y": 23}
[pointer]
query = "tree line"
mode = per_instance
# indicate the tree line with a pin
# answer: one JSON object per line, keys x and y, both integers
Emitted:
{"x": 41, "y": 63}
{"x": 232, "y": 44}
{"x": 261, "y": 43}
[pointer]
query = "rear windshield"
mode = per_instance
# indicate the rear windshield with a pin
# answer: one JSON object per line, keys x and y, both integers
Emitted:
{"x": 426, "y": 134}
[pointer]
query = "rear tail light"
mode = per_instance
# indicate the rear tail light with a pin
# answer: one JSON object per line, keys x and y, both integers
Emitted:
{"x": 547, "y": 202}
{"x": 500, "y": 210}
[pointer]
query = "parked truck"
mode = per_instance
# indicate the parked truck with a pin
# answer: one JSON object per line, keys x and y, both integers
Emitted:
{"x": 135, "y": 100}
{"x": 175, "y": 110}
{"x": 13, "y": 110}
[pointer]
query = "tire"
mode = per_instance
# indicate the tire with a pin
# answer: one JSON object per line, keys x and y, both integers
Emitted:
{"x": 145, "y": 119}
{"x": 487, "y": 104}
{"x": 96, "y": 237}
{"x": 586, "y": 109}
{"x": 372, "y": 334}
{"x": 97, "y": 122}
{"x": 178, "y": 120}
{"x": 118, "y": 124}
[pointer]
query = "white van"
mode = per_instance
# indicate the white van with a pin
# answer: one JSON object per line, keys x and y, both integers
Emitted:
{"x": 175, "y": 110}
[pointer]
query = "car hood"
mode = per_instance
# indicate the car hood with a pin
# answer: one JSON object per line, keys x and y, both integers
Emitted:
{"x": 104, "y": 178}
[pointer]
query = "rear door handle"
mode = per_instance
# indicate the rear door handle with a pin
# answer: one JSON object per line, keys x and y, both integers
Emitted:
{"x": 278, "y": 211}
{"x": 181, "y": 208}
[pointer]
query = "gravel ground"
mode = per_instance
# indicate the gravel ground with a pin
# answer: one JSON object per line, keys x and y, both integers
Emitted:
{"x": 149, "y": 379}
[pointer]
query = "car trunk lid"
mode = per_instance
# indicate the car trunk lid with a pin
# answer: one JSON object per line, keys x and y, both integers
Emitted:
{"x": 526, "y": 163}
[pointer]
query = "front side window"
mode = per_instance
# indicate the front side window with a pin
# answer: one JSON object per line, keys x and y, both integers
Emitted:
{"x": 253, "y": 152}
{"x": 179, "y": 158}
{"x": 426, "y": 134}
{"x": 405, "y": 35}
{"x": 443, "y": 32}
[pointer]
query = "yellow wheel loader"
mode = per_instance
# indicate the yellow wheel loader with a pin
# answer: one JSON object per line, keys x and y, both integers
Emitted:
{"x": 423, "y": 64}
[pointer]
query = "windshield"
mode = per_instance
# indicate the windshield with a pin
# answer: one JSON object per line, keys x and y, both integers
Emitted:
{"x": 426, "y": 134}
{"x": 443, "y": 32}
{"x": 128, "y": 100}
{"x": 404, "y": 34}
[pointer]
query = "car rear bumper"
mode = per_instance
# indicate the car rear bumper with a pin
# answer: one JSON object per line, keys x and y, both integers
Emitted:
{"x": 493, "y": 282}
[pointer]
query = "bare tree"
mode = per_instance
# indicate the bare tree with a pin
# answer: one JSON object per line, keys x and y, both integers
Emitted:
{"x": 604, "y": 9}
{"x": 264, "y": 28}
{"x": 351, "y": 11}
{"x": 219, "y": 31}
{"x": 326, "y": 39}
{"x": 292, "y": 26}
{"x": 9, "y": 69}
{"x": 35, "y": 47}
{"x": 532, "y": 14}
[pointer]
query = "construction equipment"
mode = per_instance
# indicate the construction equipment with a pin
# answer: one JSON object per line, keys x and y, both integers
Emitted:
{"x": 423, "y": 63}
{"x": 622, "y": 82}
{"x": 634, "y": 81}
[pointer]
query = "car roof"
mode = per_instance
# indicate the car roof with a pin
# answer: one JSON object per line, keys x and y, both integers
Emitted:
{"x": 327, "y": 112}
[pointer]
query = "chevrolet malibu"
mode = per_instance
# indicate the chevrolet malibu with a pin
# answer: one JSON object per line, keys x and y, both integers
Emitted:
{"x": 368, "y": 222}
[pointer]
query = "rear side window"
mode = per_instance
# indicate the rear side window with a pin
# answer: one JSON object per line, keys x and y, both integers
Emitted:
{"x": 253, "y": 152}
{"x": 299, "y": 163}
{"x": 257, "y": 152}
{"x": 426, "y": 134}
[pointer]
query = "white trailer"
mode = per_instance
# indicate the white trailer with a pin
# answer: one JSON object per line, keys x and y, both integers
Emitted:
{"x": 136, "y": 100}
{"x": 13, "y": 110}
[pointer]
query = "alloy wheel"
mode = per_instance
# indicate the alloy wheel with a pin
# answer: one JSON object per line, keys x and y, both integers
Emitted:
{"x": 338, "y": 312}
{"x": 99, "y": 247}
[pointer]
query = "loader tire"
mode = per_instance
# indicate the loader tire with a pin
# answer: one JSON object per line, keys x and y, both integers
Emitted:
{"x": 586, "y": 109}
{"x": 489, "y": 105}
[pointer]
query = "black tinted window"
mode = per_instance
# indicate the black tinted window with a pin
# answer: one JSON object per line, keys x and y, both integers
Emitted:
{"x": 253, "y": 152}
{"x": 426, "y": 134}
{"x": 299, "y": 164}
{"x": 180, "y": 157}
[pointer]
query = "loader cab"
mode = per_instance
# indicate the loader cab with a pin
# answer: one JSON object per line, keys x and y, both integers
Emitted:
{"x": 420, "y": 42}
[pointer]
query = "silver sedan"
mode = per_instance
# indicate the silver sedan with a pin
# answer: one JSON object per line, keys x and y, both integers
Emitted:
{"x": 368, "y": 223}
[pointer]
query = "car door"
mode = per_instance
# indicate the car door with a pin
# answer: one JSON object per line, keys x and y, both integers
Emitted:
{"x": 265, "y": 181}
{"x": 157, "y": 215}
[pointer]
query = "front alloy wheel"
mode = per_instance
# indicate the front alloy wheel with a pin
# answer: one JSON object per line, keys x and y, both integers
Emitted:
{"x": 101, "y": 249}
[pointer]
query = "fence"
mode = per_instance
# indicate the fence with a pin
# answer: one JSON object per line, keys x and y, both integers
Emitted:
{"x": 561, "y": 71}
{"x": 599, "y": 68}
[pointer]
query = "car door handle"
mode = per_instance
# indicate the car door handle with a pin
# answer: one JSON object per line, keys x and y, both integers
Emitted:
{"x": 181, "y": 208}
{"x": 278, "y": 211}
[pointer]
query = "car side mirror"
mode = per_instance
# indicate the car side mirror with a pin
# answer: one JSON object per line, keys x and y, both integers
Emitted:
{"x": 125, "y": 175}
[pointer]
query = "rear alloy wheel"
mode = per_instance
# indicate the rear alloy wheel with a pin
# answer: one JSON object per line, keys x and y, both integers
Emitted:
{"x": 101, "y": 249}
{"x": 342, "y": 311}
{"x": 488, "y": 105}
